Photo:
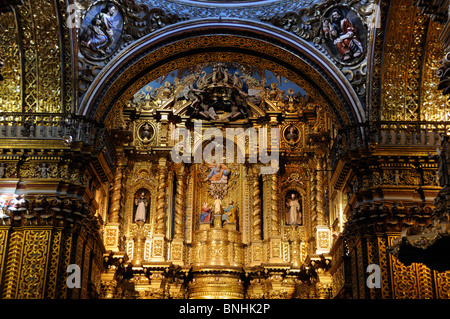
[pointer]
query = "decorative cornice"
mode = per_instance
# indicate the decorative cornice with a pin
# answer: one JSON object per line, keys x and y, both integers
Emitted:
{"x": 247, "y": 10}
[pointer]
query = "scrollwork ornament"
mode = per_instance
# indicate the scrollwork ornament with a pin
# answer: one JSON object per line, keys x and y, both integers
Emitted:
{"x": 109, "y": 27}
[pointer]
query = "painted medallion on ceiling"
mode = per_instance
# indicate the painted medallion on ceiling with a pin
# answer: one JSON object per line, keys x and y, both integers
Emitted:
{"x": 101, "y": 30}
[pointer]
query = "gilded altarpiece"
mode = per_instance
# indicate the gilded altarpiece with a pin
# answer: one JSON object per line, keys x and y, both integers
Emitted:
{"x": 217, "y": 213}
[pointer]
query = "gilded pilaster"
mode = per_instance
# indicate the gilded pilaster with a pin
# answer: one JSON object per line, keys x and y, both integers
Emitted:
{"x": 65, "y": 260}
{"x": 4, "y": 233}
{"x": 54, "y": 261}
{"x": 12, "y": 267}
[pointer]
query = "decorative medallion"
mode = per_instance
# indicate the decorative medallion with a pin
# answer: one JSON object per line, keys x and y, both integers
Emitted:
{"x": 101, "y": 30}
{"x": 291, "y": 134}
{"x": 344, "y": 35}
{"x": 146, "y": 132}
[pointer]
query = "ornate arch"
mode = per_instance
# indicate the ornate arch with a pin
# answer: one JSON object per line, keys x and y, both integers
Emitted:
{"x": 186, "y": 44}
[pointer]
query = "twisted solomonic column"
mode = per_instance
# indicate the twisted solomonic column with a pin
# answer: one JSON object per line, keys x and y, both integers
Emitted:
{"x": 179, "y": 203}
{"x": 161, "y": 198}
{"x": 116, "y": 195}
{"x": 256, "y": 205}
{"x": 275, "y": 221}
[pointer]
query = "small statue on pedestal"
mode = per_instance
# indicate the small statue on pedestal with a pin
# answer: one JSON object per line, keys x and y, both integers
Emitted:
{"x": 229, "y": 215}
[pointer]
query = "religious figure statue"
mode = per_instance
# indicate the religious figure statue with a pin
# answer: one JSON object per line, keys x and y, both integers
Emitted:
{"x": 106, "y": 15}
{"x": 215, "y": 93}
{"x": 93, "y": 36}
{"x": 195, "y": 95}
{"x": 146, "y": 132}
{"x": 141, "y": 210}
{"x": 217, "y": 205}
{"x": 44, "y": 170}
{"x": 99, "y": 35}
{"x": 205, "y": 216}
{"x": 229, "y": 214}
{"x": 344, "y": 35}
{"x": 237, "y": 102}
{"x": 293, "y": 212}
{"x": 444, "y": 161}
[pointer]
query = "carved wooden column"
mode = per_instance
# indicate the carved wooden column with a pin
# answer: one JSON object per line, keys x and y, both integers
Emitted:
{"x": 275, "y": 220}
{"x": 177, "y": 245}
{"x": 319, "y": 191}
{"x": 113, "y": 228}
{"x": 257, "y": 243}
{"x": 158, "y": 247}
{"x": 271, "y": 193}
{"x": 322, "y": 231}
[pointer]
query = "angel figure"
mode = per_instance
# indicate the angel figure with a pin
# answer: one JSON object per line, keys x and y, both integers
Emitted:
{"x": 192, "y": 94}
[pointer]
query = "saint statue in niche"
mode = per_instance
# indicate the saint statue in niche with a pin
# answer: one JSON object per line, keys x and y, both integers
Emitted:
{"x": 293, "y": 209}
{"x": 341, "y": 34}
{"x": 101, "y": 30}
{"x": 141, "y": 204}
